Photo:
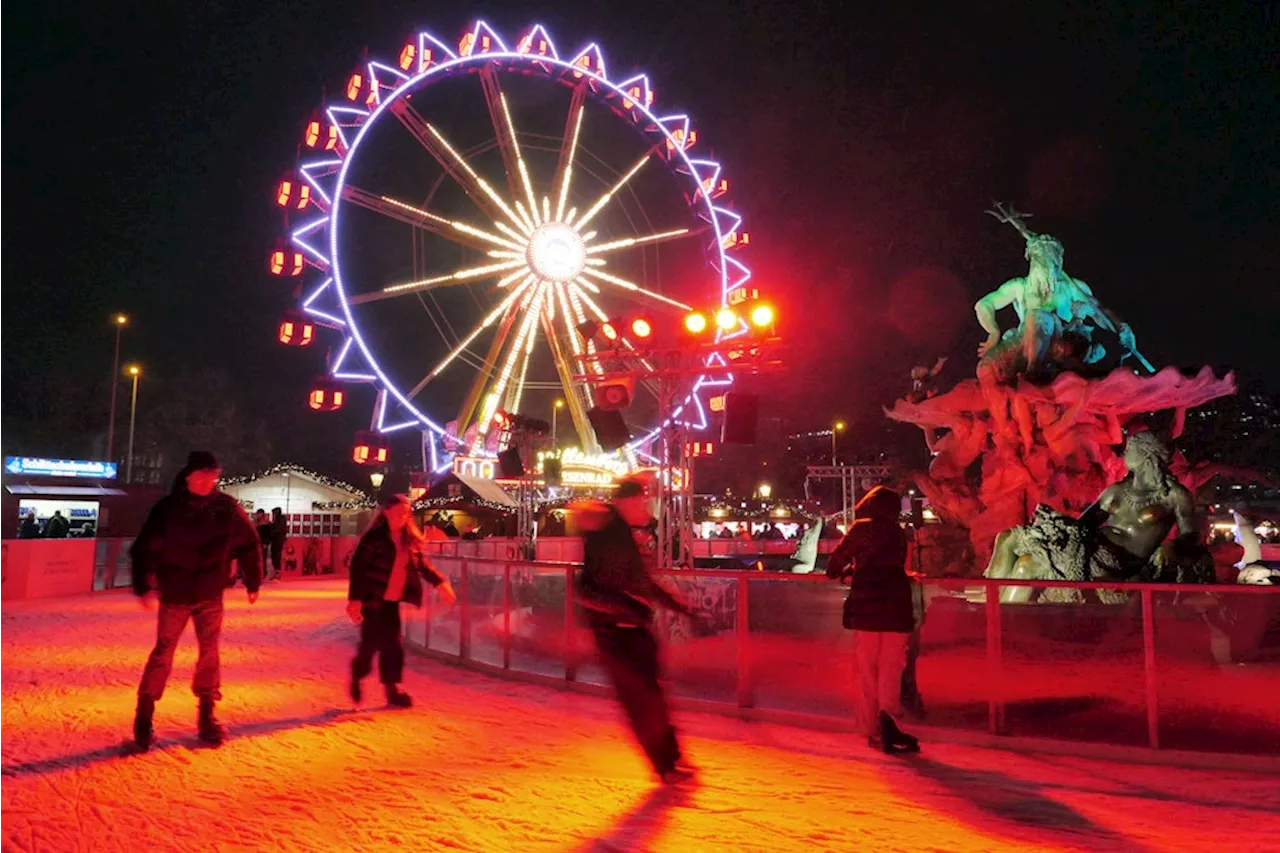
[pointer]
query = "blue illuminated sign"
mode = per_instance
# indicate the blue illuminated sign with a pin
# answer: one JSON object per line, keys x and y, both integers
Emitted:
{"x": 60, "y": 468}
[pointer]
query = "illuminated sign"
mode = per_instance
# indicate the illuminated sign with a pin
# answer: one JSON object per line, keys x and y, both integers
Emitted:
{"x": 699, "y": 448}
{"x": 717, "y": 403}
{"x": 60, "y": 468}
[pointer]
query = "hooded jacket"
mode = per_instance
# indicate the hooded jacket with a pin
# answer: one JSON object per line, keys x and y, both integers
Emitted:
{"x": 874, "y": 553}
{"x": 187, "y": 544}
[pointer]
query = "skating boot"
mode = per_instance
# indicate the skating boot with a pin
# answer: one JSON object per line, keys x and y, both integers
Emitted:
{"x": 397, "y": 698}
{"x": 894, "y": 740}
{"x": 144, "y": 733}
{"x": 210, "y": 730}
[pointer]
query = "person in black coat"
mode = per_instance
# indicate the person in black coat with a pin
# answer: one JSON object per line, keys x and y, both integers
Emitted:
{"x": 617, "y": 595}
{"x": 185, "y": 550}
{"x": 873, "y": 555}
{"x": 387, "y": 568}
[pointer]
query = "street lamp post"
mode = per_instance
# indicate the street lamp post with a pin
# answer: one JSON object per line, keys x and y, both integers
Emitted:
{"x": 555, "y": 423}
{"x": 120, "y": 321}
{"x": 836, "y": 428}
{"x": 135, "y": 372}
{"x": 764, "y": 490}
{"x": 375, "y": 479}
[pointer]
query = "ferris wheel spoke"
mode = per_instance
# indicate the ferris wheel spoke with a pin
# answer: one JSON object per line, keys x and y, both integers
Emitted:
{"x": 453, "y": 230}
{"x": 458, "y": 277}
{"x": 503, "y": 307}
{"x": 454, "y": 164}
{"x": 568, "y": 147}
{"x": 530, "y": 309}
{"x": 608, "y": 196}
{"x": 508, "y": 142}
{"x": 648, "y": 239}
{"x": 631, "y": 286}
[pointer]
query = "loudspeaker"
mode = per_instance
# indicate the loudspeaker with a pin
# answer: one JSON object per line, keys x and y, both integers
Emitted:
{"x": 509, "y": 464}
{"x": 610, "y": 429}
{"x": 552, "y": 470}
{"x": 616, "y": 395}
{"x": 741, "y": 412}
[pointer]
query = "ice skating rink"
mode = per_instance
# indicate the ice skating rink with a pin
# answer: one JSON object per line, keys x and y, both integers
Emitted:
{"x": 482, "y": 764}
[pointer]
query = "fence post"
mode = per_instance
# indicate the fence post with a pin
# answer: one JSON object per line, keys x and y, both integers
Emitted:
{"x": 570, "y": 658}
{"x": 742, "y": 633}
{"x": 1149, "y": 670}
{"x": 995, "y": 662}
{"x": 464, "y": 617}
{"x": 506, "y": 615}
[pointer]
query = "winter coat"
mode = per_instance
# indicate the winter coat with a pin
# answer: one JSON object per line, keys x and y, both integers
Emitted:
{"x": 880, "y": 596}
{"x": 187, "y": 544}
{"x": 373, "y": 561}
{"x": 614, "y": 586}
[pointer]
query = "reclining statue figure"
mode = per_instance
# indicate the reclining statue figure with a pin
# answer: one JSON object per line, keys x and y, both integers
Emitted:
{"x": 1121, "y": 537}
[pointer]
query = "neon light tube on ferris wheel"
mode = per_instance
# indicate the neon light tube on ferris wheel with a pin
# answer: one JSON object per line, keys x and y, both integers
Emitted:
{"x": 678, "y": 150}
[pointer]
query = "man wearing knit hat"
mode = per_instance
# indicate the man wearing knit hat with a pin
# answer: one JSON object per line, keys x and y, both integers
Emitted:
{"x": 185, "y": 551}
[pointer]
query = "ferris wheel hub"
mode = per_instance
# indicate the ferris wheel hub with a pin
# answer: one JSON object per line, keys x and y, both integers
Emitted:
{"x": 556, "y": 252}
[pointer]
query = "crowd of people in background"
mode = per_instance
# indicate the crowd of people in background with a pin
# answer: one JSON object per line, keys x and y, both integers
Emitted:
{"x": 56, "y": 526}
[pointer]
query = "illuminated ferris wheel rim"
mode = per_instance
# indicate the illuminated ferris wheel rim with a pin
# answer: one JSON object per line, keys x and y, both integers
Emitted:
{"x": 730, "y": 272}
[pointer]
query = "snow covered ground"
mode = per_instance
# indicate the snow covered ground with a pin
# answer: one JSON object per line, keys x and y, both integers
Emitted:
{"x": 483, "y": 764}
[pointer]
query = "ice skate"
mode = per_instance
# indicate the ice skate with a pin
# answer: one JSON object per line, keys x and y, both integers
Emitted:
{"x": 144, "y": 733}
{"x": 396, "y": 698}
{"x": 210, "y": 731}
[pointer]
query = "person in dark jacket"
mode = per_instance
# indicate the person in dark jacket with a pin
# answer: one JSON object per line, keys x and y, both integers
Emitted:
{"x": 279, "y": 533}
{"x": 57, "y": 527}
{"x": 185, "y": 550}
{"x": 386, "y": 569}
{"x": 265, "y": 535}
{"x": 873, "y": 555}
{"x": 617, "y": 595}
{"x": 30, "y": 528}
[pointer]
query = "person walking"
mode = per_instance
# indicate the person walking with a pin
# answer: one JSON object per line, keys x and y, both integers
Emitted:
{"x": 387, "y": 568}
{"x": 185, "y": 551}
{"x": 873, "y": 556}
{"x": 617, "y": 595}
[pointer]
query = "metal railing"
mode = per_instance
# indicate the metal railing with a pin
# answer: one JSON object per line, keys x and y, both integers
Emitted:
{"x": 1188, "y": 667}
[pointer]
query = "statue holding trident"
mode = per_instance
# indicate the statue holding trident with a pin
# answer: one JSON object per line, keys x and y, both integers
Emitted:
{"x": 1052, "y": 307}
{"x": 1061, "y": 326}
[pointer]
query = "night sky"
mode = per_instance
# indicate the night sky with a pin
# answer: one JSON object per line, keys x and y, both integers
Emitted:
{"x": 861, "y": 145}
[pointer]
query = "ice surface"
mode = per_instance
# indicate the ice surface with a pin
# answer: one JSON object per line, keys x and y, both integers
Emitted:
{"x": 483, "y": 764}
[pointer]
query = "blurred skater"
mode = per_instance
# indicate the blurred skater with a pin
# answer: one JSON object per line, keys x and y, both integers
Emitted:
{"x": 879, "y": 610}
{"x": 618, "y": 595}
{"x": 387, "y": 568}
{"x": 185, "y": 549}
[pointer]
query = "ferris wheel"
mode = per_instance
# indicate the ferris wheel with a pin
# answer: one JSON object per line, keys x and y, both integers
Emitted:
{"x": 471, "y": 218}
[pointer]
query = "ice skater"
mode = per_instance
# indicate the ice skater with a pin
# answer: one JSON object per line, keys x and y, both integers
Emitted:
{"x": 185, "y": 549}
{"x": 879, "y": 610}
{"x": 386, "y": 569}
{"x": 617, "y": 595}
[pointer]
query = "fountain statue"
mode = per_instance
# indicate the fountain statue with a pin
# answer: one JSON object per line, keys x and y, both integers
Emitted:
{"x": 1020, "y": 452}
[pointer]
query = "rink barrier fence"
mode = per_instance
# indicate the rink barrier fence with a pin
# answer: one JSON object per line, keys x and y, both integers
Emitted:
{"x": 513, "y": 619}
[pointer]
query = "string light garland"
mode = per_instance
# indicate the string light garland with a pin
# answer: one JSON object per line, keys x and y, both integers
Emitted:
{"x": 290, "y": 468}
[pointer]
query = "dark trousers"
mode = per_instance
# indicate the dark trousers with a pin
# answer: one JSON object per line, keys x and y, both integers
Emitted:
{"x": 171, "y": 622}
{"x": 630, "y": 655}
{"x": 380, "y": 634}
